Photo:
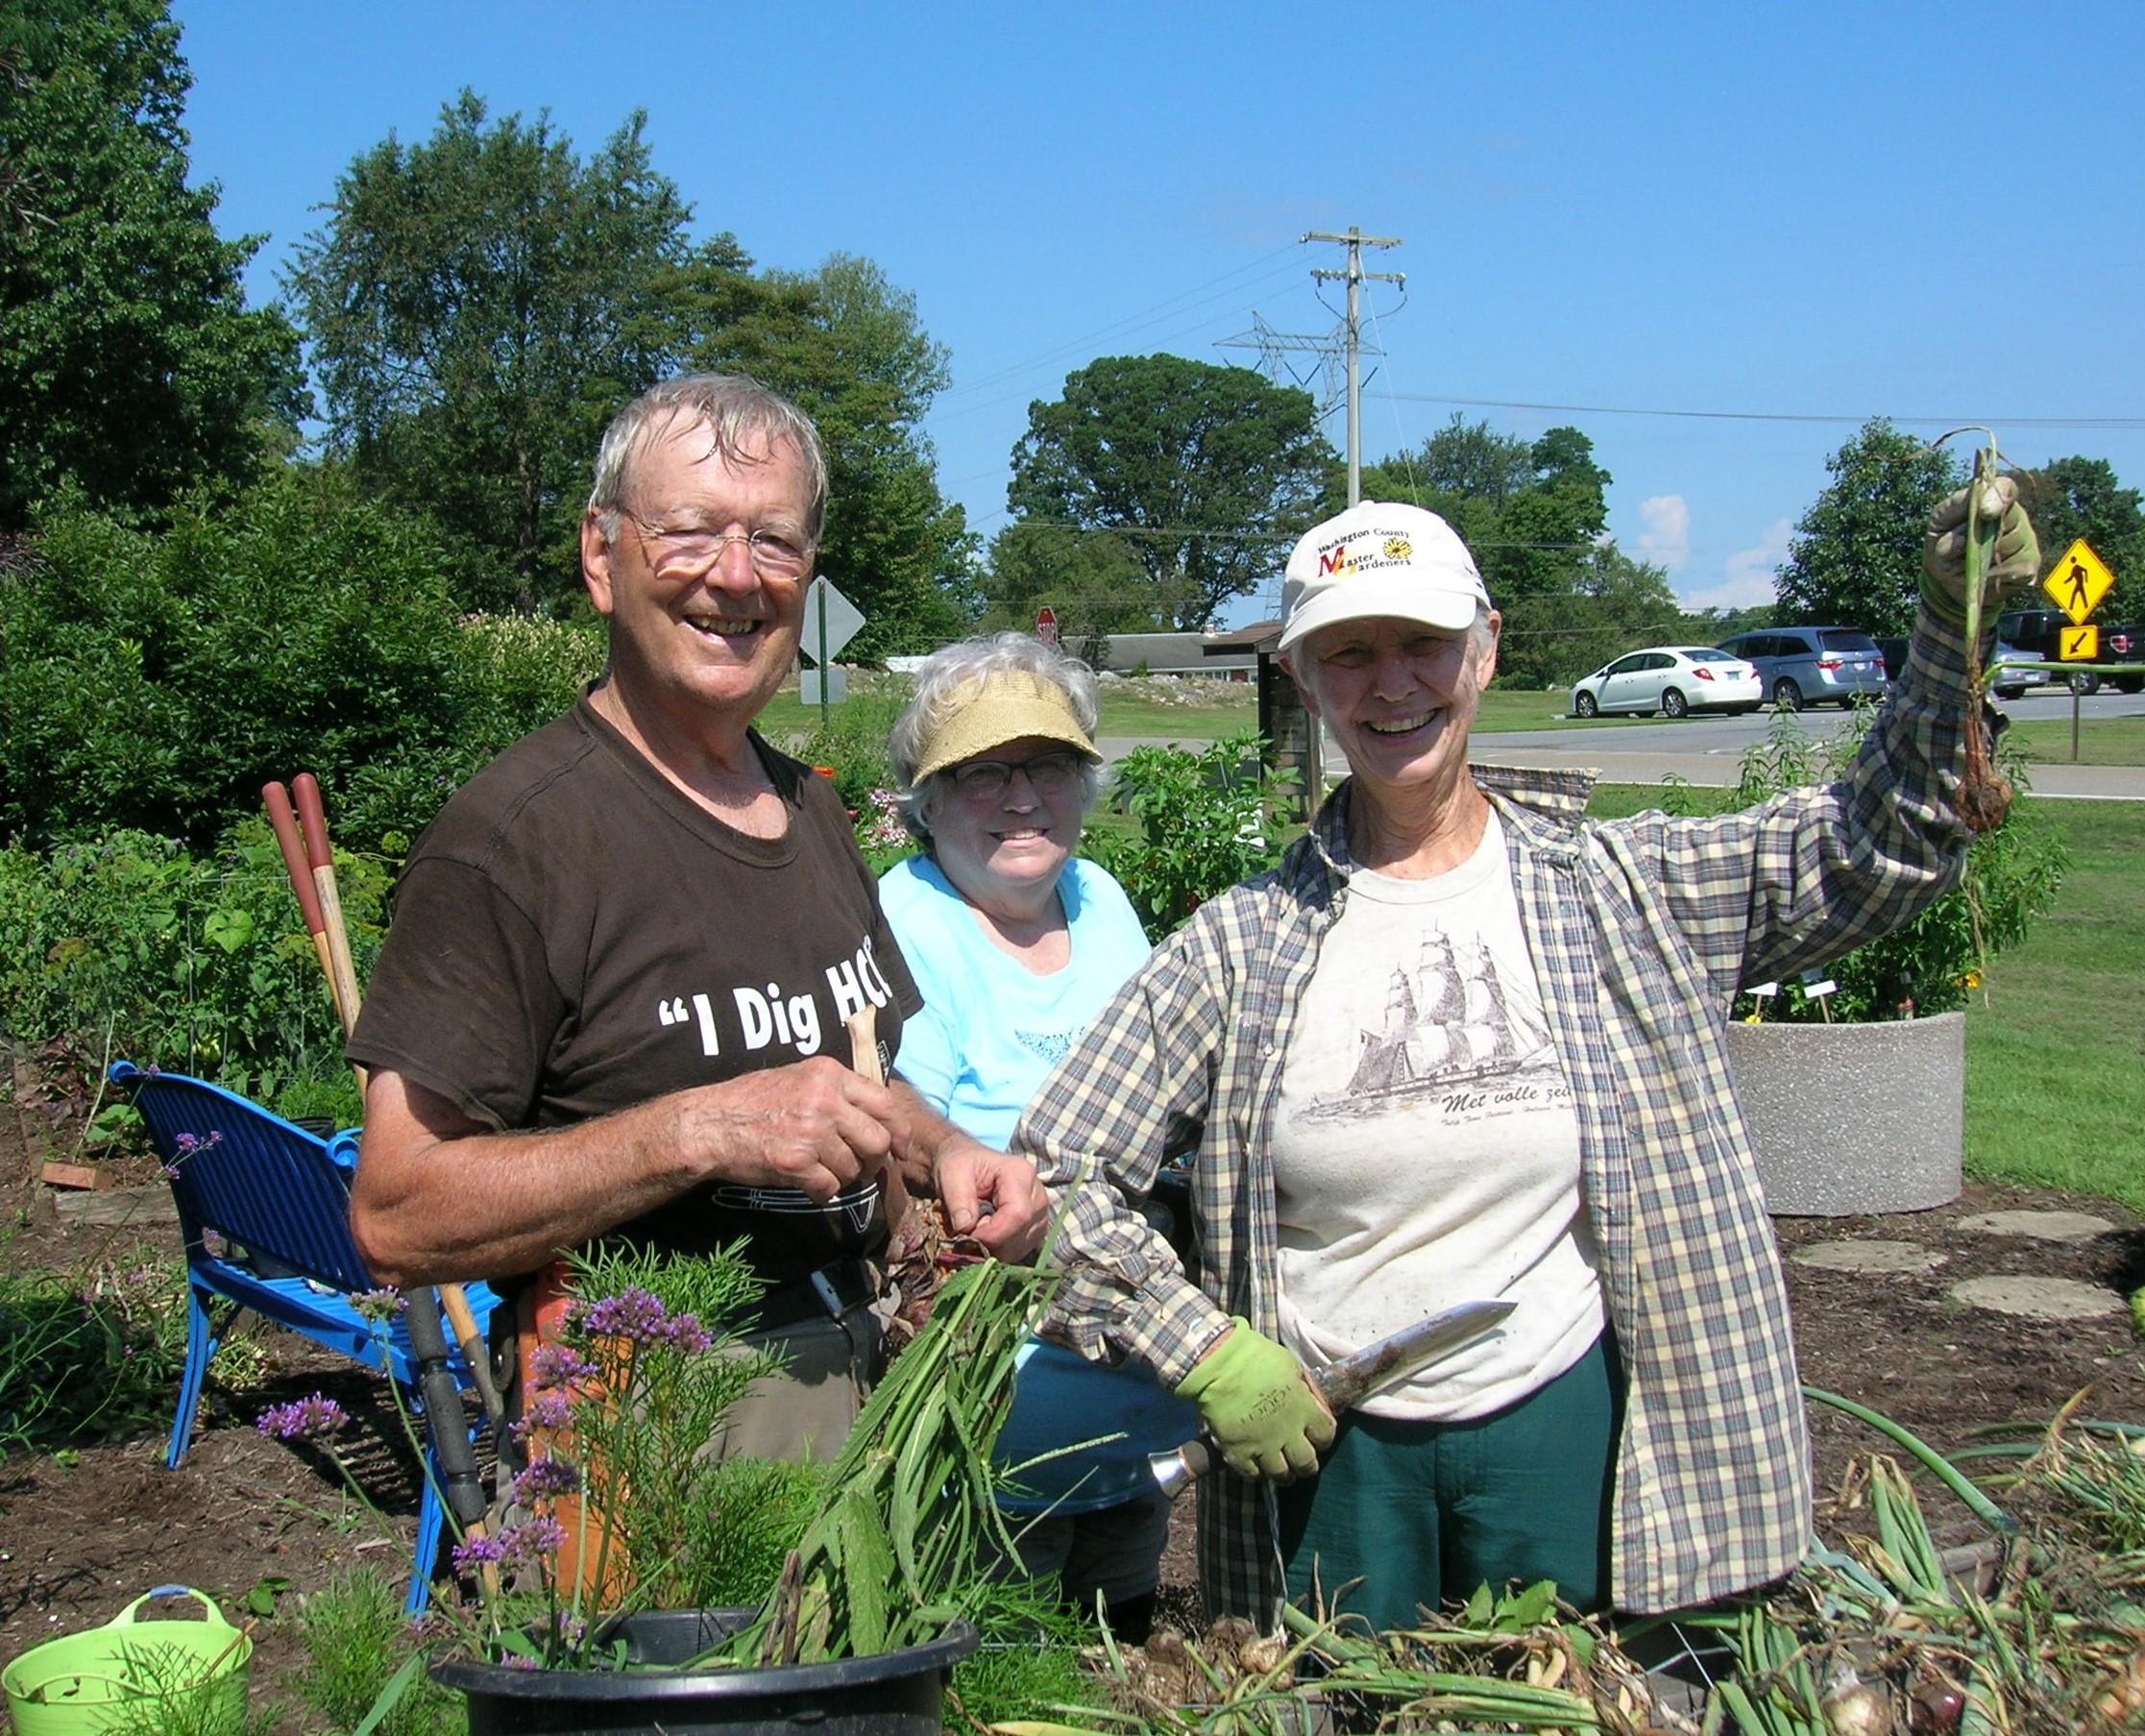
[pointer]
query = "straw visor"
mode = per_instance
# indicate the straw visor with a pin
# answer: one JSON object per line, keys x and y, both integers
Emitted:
{"x": 1007, "y": 705}
{"x": 1378, "y": 559}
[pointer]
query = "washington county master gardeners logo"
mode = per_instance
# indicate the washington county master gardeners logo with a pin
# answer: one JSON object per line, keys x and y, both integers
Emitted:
{"x": 1341, "y": 558}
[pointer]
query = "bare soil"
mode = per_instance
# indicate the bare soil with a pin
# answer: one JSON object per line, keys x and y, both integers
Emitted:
{"x": 79, "y": 1539}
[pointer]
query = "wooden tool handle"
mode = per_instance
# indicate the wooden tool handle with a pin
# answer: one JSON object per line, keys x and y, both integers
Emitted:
{"x": 313, "y": 818}
{"x": 862, "y": 1027}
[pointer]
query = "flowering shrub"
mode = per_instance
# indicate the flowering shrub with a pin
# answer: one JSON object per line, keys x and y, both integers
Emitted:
{"x": 617, "y": 1504}
{"x": 881, "y": 834}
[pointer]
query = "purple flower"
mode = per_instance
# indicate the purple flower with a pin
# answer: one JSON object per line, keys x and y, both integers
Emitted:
{"x": 380, "y": 1305}
{"x": 632, "y": 1313}
{"x": 473, "y": 1552}
{"x": 309, "y": 1416}
{"x": 560, "y": 1365}
{"x": 546, "y": 1478}
{"x": 189, "y": 1143}
{"x": 544, "y": 1410}
{"x": 684, "y": 1332}
{"x": 515, "y": 1660}
{"x": 171, "y": 1172}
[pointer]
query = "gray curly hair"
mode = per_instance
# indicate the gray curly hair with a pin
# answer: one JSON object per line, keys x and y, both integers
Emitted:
{"x": 739, "y": 413}
{"x": 940, "y": 684}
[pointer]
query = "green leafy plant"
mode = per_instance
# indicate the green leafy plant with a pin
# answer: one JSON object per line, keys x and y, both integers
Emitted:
{"x": 355, "y": 1638}
{"x": 1932, "y": 963}
{"x": 89, "y": 1356}
{"x": 1207, "y": 820}
{"x": 198, "y": 965}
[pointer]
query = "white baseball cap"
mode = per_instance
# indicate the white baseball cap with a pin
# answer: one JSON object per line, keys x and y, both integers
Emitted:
{"x": 1380, "y": 558}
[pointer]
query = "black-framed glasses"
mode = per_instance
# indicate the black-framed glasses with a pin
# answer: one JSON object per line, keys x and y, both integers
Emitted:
{"x": 689, "y": 553}
{"x": 1050, "y": 774}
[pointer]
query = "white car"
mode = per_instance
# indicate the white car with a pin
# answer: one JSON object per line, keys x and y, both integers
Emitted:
{"x": 1672, "y": 679}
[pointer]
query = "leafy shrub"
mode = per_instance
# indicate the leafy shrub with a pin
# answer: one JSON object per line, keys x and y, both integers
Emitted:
{"x": 128, "y": 945}
{"x": 2012, "y": 875}
{"x": 153, "y": 681}
{"x": 1207, "y": 820}
{"x": 853, "y": 742}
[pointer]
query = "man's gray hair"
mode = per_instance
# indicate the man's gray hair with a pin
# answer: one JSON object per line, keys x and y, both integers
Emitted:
{"x": 940, "y": 682}
{"x": 743, "y": 419}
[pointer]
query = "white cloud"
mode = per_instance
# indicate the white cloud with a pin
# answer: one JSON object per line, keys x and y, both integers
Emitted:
{"x": 1666, "y": 540}
{"x": 1748, "y": 579}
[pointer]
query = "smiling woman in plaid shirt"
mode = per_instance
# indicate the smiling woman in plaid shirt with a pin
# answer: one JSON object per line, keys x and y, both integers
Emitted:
{"x": 1466, "y": 1042}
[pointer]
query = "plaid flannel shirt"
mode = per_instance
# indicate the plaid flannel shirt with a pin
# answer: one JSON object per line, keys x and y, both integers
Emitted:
{"x": 1642, "y": 931}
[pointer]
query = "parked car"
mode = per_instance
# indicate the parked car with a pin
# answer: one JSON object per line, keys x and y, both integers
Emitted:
{"x": 2039, "y": 633}
{"x": 1672, "y": 679}
{"x": 2008, "y": 680}
{"x": 1812, "y": 666}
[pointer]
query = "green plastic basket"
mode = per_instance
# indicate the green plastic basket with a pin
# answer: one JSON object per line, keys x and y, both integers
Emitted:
{"x": 84, "y": 1684}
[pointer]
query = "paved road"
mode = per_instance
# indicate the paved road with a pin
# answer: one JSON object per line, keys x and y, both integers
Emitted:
{"x": 1709, "y": 751}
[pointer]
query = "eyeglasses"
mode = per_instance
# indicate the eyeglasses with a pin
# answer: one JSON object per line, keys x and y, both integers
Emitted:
{"x": 987, "y": 780}
{"x": 687, "y": 553}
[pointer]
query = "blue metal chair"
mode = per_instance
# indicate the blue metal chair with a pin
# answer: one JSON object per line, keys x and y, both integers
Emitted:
{"x": 276, "y": 1199}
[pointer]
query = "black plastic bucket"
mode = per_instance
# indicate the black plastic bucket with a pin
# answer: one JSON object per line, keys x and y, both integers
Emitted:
{"x": 895, "y": 1693}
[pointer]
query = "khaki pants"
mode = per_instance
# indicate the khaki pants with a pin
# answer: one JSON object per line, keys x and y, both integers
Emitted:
{"x": 805, "y": 1411}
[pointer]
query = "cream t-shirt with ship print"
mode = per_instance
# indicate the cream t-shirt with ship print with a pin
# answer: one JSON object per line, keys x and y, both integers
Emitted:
{"x": 1426, "y": 1150}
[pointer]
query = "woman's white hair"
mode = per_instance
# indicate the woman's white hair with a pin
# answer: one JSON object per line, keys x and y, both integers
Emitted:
{"x": 941, "y": 692}
{"x": 743, "y": 419}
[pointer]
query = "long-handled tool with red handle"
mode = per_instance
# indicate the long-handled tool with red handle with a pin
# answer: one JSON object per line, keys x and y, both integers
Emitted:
{"x": 311, "y": 866}
{"x": 313, "y": 819}
{"x": 284, "y": 821}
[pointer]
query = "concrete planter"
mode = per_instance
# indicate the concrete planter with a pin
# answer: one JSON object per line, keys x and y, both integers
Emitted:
{"x": 1854, "y": 1118}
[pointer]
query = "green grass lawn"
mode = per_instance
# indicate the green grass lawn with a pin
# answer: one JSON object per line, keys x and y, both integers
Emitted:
{"x": 2056, "y": 1043}
{"x": 2100, "y": 741}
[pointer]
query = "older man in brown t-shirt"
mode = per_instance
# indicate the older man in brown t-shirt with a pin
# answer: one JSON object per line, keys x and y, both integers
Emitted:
{"x": 615, "y": 994}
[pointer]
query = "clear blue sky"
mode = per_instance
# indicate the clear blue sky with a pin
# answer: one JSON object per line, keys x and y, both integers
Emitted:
{"x": 1800, "y": 216}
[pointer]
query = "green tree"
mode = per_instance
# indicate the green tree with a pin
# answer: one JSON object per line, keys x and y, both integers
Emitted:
{"x": 1205, "y": 472}
{"x": 129, "y": 366}
{"x": 1089, "y": 579}
{"x": 2075, "y": 498}
{"x": 1615, "y": 606}
{"x": 1531, "y": 511}
{"x": 479, "y": 305}
{"x": 847, "y": 345}
{"x": 1854, "y": 558}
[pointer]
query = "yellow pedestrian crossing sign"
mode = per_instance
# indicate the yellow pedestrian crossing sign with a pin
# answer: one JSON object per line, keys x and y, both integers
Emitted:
{"x": 2078, "y": 582}
{"x": 2080, "y": 645}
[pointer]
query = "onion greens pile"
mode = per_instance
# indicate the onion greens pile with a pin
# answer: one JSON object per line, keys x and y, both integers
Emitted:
{"x": 907, "y": 1529}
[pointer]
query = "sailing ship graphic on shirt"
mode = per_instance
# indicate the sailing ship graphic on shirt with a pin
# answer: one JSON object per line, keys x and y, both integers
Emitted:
{"x": 1447, "y": 1024}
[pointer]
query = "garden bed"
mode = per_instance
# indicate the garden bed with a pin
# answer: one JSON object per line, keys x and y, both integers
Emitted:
{"x": 244, "y": 1512}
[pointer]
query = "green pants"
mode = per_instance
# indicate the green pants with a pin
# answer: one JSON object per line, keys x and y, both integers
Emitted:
{"x": 1424, "y": 1513}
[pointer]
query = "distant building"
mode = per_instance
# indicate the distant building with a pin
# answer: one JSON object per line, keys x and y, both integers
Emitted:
{"x": 1215, "y": 656}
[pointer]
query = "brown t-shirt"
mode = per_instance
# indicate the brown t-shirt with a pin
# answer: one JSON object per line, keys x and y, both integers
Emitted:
{"x": 573, "y": 936}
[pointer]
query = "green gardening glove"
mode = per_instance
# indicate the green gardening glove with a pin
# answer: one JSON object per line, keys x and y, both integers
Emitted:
{"x": 1258, "y": 1407}
{"x": 2012, "y": 567}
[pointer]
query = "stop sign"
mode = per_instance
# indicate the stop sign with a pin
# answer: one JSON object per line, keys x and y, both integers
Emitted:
{"x": 1046, "y": 626}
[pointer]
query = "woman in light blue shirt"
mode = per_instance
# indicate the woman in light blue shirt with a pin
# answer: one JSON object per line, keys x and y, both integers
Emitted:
{"x": 1016, "y": 945}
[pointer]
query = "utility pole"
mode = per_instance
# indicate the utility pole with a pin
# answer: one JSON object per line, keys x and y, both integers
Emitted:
{"x": 1355, "y": 240}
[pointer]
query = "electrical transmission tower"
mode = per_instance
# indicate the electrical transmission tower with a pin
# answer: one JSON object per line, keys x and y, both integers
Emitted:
{"x": 1339, "y": 351}
{"x": 1355, "y": 240}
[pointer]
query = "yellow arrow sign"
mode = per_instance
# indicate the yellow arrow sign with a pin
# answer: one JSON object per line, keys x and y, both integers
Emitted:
{"x": 2077, "y": 581}
{"x": 2080, "y": 645}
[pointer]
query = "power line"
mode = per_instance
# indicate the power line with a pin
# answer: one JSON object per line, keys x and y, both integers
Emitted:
{"x": 1611, "y": 409}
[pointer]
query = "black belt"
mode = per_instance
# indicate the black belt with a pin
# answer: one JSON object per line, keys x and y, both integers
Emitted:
{"x": 830, "y": 1293}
